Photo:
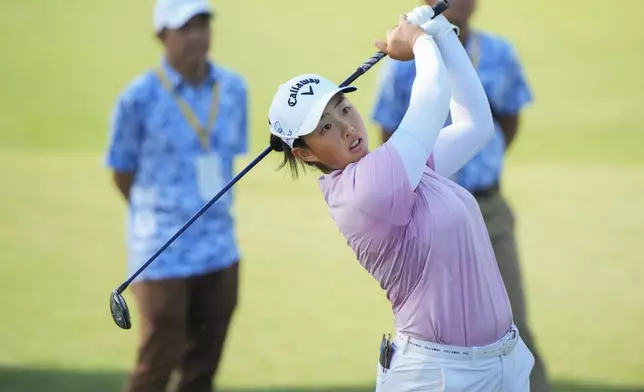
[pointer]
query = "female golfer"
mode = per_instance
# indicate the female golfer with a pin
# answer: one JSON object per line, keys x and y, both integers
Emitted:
{"x": 419, "y": 234}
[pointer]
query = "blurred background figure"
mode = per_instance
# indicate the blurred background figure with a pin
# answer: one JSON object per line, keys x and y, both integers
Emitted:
{"x": 175, "y": 132}
{"x": 501, "y": 74}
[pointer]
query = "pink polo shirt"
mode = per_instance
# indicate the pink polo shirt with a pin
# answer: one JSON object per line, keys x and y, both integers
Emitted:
{"x": 427, "y": 247}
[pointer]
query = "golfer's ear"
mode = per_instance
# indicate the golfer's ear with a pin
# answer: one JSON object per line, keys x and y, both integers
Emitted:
{"x": 161, "y": 35}
{"x": 304, "y": 154}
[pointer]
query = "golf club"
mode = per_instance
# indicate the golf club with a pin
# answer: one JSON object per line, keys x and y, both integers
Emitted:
{"x": 118, "y": 306}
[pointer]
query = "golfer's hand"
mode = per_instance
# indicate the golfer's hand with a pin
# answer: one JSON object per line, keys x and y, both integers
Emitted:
{"x": 437, "y": 27}
{"x": 420, "y": 15}
{"x": 400, "y": 40}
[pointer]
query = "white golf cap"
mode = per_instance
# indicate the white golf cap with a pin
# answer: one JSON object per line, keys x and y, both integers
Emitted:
{"x": 173, "y": 14}
{"x": 299, "y": 104}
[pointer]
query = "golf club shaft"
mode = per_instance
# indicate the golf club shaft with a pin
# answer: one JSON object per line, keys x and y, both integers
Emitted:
{"x": 438, "y": 8}
{"x": 203, "y": 209}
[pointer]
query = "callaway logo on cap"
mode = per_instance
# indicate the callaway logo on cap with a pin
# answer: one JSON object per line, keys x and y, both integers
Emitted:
{"x": 299, "y": 104}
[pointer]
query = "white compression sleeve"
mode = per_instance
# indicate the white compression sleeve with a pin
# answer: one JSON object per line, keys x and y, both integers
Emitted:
{"x": 428, "y": 107}
{"x": 472, "y": 125}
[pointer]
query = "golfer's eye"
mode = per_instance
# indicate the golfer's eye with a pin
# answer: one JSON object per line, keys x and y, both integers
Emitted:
{"x": 346, "y": 110}
{"x": 326, "y": 127}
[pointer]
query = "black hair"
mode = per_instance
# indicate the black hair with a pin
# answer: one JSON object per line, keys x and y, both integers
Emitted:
{"x": 294, "y": 163}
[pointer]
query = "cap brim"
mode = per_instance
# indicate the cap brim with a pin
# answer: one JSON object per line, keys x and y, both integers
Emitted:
{"x": 313, "y": 118}
{"x": 183, "y": 15}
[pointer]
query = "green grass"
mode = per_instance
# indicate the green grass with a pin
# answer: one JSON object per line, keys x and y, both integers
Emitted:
{"x": 310, "y": 317}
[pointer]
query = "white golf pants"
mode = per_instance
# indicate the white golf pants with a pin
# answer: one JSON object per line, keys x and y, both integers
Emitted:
{"x": 417, "y": 366}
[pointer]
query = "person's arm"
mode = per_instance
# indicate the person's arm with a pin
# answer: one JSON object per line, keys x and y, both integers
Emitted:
{"x": 385, "y": 134}
{"x": 382, "y": 185}
{"x": 512, "y": 94}
{"x": 239, "y": 131}
{"x": 428, "y": 107}
{"x": 392, "y": 98}
{"x": 472, "y": 125}
{"x": 509, "y": 126}
{"x": 123, "y": 182}
{"x": 124, "y": 145}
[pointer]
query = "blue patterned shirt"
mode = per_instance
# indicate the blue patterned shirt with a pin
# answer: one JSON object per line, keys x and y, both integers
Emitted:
{"x": 502, "y": 77}
{"x": 150, "y": 136}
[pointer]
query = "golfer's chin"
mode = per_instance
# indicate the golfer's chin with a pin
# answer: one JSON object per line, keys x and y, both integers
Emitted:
{"x": 357, "y": 153}
{"x": 360, "y": 152}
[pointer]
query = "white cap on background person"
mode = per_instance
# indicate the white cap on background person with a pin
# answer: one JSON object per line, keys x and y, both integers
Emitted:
{"x": 172, "y": 14}
{"x": 299, "y": 104}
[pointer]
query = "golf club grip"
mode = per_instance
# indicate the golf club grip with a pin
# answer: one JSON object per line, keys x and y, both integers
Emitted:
{"x": 438, "y": 8}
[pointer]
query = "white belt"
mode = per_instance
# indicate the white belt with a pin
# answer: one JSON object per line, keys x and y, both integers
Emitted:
{"x": 503, "y": 346}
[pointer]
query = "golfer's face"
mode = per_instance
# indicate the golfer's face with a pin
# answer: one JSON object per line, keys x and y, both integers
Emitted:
{"x": 190, "y": 42}
{"x": 341, "y": 137}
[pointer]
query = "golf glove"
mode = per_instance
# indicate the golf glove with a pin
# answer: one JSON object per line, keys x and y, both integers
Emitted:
{"x": 437, "y": 27}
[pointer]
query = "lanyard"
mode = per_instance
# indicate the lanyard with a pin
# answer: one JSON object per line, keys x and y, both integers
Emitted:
{"x": 202, "y": 132}
{"x": 475, "y": 48}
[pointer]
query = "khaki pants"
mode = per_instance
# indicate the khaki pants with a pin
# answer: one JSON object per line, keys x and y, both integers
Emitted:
{"x": 184, "y": 323}
{"x": 499, "y": 220}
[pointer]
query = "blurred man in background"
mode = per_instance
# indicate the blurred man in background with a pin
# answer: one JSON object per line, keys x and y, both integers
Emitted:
{"x": 175, "y": 132}
{"x": 502, "y": 77}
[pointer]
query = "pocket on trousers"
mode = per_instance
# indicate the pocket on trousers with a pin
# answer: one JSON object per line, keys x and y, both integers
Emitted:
{"x": 384, "y": 373}
{"x": 381, "y": 376}
{"x": 520, "y": 367}
{"x": 409, "y": 373}
{"x": 526, "y": 354}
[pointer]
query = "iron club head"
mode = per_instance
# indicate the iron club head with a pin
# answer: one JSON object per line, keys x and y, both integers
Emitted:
{"x": 120, "y": 311}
